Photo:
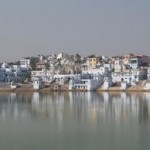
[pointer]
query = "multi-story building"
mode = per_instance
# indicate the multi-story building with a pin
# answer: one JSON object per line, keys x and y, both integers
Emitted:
{"x": 25, "y": 63}
{"x": 92, "y": 62}
{"x": 138, "y": 61}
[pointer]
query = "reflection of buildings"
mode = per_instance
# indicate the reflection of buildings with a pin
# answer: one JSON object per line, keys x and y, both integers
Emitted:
{"x": 87, "y": 107}
{"x": 123, "y": 107}
{"x": 13, "y": 106}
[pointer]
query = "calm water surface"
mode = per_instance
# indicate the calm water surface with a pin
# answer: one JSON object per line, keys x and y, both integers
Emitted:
{"x": 74, "y": 121}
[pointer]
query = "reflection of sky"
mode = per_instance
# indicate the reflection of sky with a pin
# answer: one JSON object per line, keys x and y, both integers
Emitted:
{"x": 90, "y": 107}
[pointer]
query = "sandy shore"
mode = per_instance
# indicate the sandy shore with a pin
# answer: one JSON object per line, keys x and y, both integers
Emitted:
{"x": 52, "y": 88}
{"x": 136, "y": 88}
{"x": 29, "y": 88}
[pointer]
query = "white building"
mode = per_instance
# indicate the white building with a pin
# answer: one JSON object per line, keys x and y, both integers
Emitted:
{"x": 133, "y": 76}
{"x": 9, "y": 76}
{"x": 124, "y": 85}
{"x": 45, "y": 75}
{"x": 62, "y": 79}
{"x": 86, "y": 83}
{"x": 37, "y": 83}
{"x": 118, "y": 65}
{"x": 147, "y": 84}
{"x": 107, "y": 82}
{"x": 5, "y": 65}
{"x": 25, "y": 63}
{"x": 97, "y": 71}
{"x": 148, "y": 72}
{"x": 119, "y": 77}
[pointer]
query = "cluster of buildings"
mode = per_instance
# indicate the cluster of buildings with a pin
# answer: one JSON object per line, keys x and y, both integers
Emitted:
{"x": 80, "y": 73}
{"x": 14, "y": 72}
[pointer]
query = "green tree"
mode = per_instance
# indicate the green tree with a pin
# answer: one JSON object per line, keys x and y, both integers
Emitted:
{"x": 33, "y": 62}
{"x": 91, "y": 56}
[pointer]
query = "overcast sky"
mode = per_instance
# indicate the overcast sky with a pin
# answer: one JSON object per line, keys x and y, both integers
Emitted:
{"x": 101, "y": 27}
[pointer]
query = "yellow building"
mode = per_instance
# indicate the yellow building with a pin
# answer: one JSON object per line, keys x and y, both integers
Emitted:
{"x": 92, "y": 62}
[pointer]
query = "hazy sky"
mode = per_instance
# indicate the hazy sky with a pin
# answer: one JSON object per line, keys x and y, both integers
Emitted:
{"x": 101, "y": 27}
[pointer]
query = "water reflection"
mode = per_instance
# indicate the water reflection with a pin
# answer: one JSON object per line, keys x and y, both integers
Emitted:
{"x": 91, "y": 107}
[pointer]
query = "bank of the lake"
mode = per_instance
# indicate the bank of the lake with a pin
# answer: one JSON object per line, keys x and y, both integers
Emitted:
{"x": 62, "y": 88}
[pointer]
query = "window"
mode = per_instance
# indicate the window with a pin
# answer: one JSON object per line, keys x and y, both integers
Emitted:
{"x": 133, "y": 61}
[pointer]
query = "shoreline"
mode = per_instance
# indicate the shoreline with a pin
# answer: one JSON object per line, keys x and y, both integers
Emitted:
{"x": 136, "y": 88}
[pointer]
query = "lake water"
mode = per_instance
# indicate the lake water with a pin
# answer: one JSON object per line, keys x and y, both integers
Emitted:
{"x": 74, "y": 121}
